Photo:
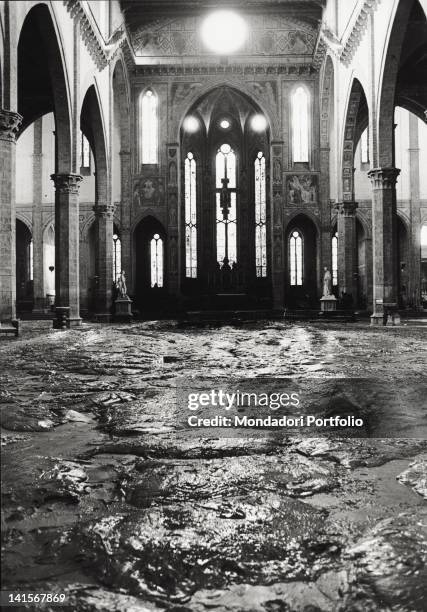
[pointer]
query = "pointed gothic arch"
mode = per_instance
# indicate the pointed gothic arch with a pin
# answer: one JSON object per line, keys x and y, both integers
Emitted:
{"x": 356, "y": 121}
{"x": 42, "y": 79}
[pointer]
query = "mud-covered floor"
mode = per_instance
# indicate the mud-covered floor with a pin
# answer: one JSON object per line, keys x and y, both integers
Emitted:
{"x": 107, "y": 501}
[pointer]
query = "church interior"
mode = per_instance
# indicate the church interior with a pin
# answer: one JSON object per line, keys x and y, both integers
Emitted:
{"x": 195, "y": 193}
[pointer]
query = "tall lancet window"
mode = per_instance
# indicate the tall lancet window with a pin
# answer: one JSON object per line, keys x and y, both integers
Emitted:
{"x": 300, "y": 125}
{"x": 335, "y": 259}
{"x": 148, "y": 127}
{"x": 190, "y": 217}
{"x": 295, "y": 258}
{"x": 156, "y": 253}
{"x": 364, "y": 147}
{"x": 260, "y": 217}
{"x": 226, "y": 206}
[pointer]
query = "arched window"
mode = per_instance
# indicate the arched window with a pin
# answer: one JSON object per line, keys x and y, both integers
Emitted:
{"x": 156, "y": 254}
{"x": 364, "y": 147}
{"x": 260, "y": 217}
{"x": 300, "y": 125}
{"x": 84, "y": 154}
{"x": 335, "y": 259}
{"x": 117, "y": 256}
{"x": 226, "y": 207}
{"x": 295, "y": 258}
{"x": 31, "y": 259}
{"x": 148, "y": 127}
{"x": 190, "y": 217}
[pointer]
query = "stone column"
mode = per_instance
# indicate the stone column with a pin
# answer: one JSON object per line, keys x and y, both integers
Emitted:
{"x": 384, "y": 243}
{"x": 347, "y": 249}
{"x": 104, "y": 259}
{"x": 276, "y": 220}
{"x": 67, "y": 245}
{"x": 9, "y": 125}
{"x": 325, "y": 212}
{"x": 125, "y": 218}
{"x": 414, "y": 246}
{"x": 38, "y": 263}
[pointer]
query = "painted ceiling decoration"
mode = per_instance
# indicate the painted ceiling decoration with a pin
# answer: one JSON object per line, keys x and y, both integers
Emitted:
{"x": 282, "y": 30}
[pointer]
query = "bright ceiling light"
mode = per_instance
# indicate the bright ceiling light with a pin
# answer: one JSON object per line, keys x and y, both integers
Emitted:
{"x": 224, "y": 32}
{"x": 259, "y": 123}
{"x": 191, "y": 124}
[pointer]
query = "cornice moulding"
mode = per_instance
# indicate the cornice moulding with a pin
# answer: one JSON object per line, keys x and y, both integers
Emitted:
{"x": 357, "y": 32}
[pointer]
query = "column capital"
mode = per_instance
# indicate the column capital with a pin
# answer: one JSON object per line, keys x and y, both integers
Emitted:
{"x": 347, "y": 208}
{"x": 383, "y": 178}
{"x": 67, "y": 183}
{"x": 9, "y": 124}
{"x": 104, "y": 210}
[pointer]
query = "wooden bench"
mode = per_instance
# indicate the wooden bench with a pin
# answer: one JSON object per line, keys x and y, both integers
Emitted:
{"x": 11, "y": 327}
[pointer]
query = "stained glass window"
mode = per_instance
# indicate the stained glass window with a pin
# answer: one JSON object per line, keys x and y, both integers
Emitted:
{"x": 300, "y": 125}
{"x": 335, "y": 259}
{"x": 295, "y": 258}
{"x": 148, "y": 127}
{"x": 364, "y": 147}
{"x": 190, "y": 217}
{"x": 226, "y": 221}
{"x": 260, "y": 217}
{"x": 156, "y": 248}
{"x": 117, "y": 257}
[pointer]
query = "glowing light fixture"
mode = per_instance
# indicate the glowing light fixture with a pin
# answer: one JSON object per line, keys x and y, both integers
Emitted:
{"x": 191, "y": 124}
{"x": 224, "y": 32}
{"x": 225, "y": 124}
{"x": 259, "y": 123}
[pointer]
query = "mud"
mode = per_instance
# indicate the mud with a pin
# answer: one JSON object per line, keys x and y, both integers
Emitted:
{"x": 108, "y": 500}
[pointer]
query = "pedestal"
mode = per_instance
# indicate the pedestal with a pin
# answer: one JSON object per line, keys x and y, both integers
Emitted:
{"x": 123, "y": 309}
{"x": 328, "y": 303}
{"x": 389, "y": 316}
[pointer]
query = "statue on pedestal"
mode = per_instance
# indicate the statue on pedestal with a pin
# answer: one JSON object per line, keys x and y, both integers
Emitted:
{"x": 123, "y": 304}
{"x": 328, "y": 302}
{"x": 327, "y": 283}
{"x": 121, "y": 286}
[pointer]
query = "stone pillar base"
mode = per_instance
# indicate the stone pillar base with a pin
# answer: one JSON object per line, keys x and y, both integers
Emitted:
{"x": 123, "y": 309}
{"x": 62, "y": 314}
{"x": 328, "y": 303}
{"x": 74, "y": 322}
{"x": 390, "y": 317}
{"x": 377, "y": 318}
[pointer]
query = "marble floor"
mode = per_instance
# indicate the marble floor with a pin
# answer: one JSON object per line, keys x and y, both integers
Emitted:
{"x": 108, "y": 499}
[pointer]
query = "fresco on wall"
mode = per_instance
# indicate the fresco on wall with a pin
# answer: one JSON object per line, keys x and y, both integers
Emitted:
{"x": 148, "y": 191}
{"x": 267, "y": 36}
{"x": 302, "y": 188}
